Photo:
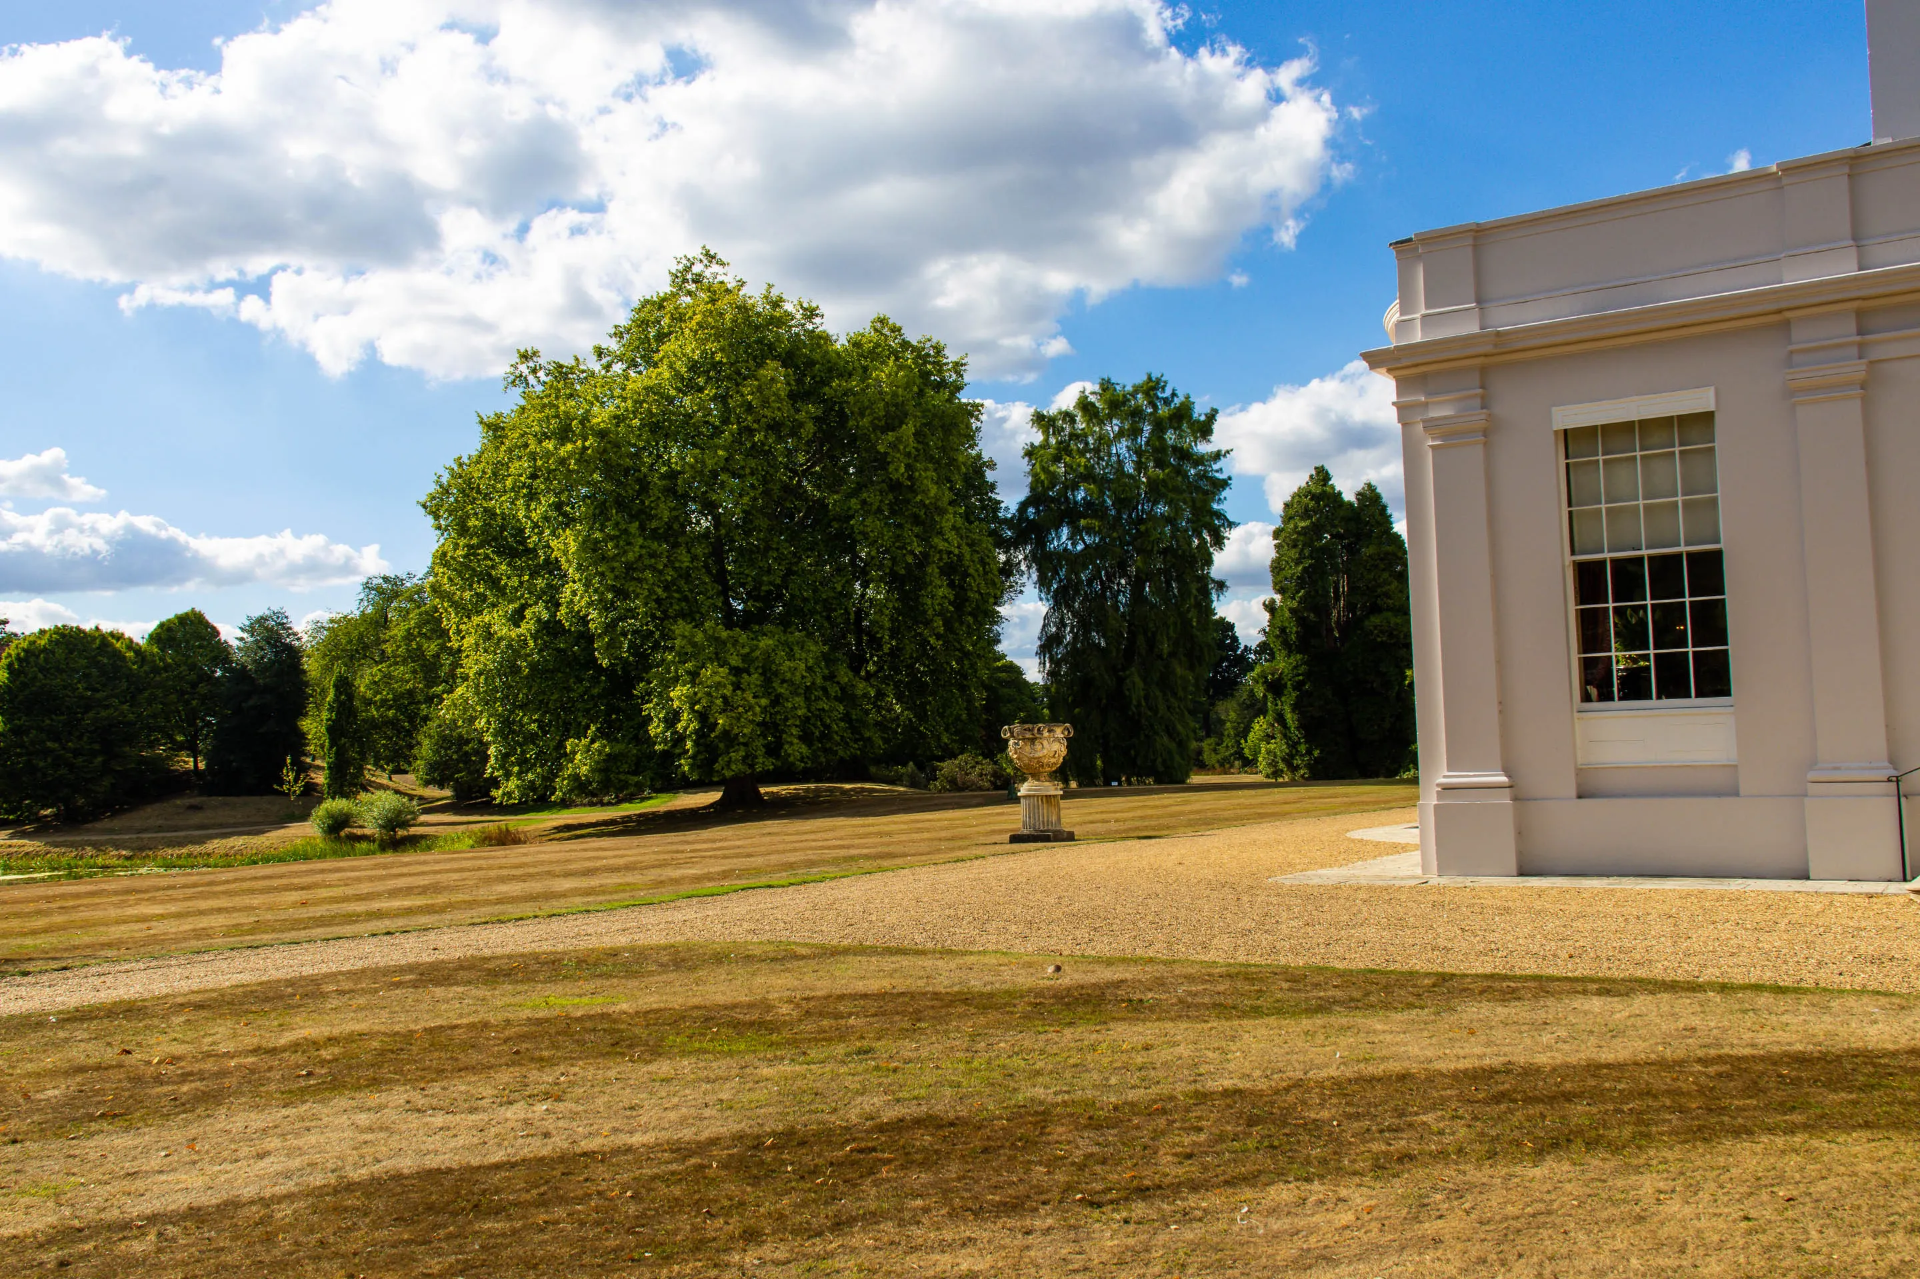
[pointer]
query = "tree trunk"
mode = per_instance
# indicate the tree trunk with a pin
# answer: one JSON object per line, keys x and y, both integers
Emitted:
{"x": 740, "y": 792}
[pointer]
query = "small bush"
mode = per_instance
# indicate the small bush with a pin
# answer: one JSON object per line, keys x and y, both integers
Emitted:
{"x": 499, "y": 836}
{"x": 968, "y": 772}
{"x": 333, "y": 817}
{"x": 388, "y": 814}
{"x": 908, "y": 775}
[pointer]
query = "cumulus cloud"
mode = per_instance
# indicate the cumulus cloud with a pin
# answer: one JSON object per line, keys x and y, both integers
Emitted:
{"x": 1247, "y": 558}
{"x": 1248, "y": 613}
{"x": 45, "y": 475}
{"x": 439, "y": 182}
{"x": 66, "y": 550}
{"x": 38, "y": 614}
{"x": 1740, "y": 161}
{"x": 1344, "y": 421}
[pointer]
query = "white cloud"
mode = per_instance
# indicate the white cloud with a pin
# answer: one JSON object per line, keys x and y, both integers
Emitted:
{"x": 38, "y": 614}
{"x": 1020, "y": 633}
{"x": 439, "y": 182}
{"x": 66, "y": 550}
{"x": 1344, "y": 421}
{"x": 1740, "y": 161}
{"x": 1248, "y": 613}
{"x": 45, "y": 475}
{"x": 1247, "y": 558}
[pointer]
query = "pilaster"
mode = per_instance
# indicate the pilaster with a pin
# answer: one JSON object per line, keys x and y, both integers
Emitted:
{"x": 1851, "y": 827}
{"x": 1472, "y": 807}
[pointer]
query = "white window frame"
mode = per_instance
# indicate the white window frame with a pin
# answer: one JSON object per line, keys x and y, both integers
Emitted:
{"x": 1679, "y": 731}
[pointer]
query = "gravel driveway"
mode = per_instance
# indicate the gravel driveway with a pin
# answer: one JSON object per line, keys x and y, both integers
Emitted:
{"x": 1198, "y": 897}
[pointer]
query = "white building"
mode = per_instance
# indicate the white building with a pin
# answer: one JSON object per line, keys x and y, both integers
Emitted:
{"x": 1663, "y": 502}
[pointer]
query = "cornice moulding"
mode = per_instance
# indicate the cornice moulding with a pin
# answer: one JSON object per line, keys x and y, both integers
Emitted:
{"x": 1685, "y": 317}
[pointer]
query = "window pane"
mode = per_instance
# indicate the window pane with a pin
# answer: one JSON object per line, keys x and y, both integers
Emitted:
{"x": 1595, "y": 636}
{"x": 1662, "y": 524}
{"x": 1656, "y": 433}
{"x": 1596, "y": 679}
{"x": 1697, "y": 472}
{"x": 1696, "y": 428}
{"x": 1589, "y": 531}
{"x": 1630, "y": 629}
{"x": 1583, "y": 484}
{"x": 1712, "y": 674}
{"x": 1702, "y": 516}
{"x": 1583, "y": 441}
{"x": 1623, "y": 528}
{"x": 1623, "y": 479}
{"x": 1666, "y": 577}
{"x": 1618, "y": 437}
{"x": 1659, "y": 475}
{"x": 1670, "y": 625}
{"x": 1629, "y": 580}
{"x": 1590, "y": 582}
{"x": 1706, "y": 574}
{"x": 1671, "y": 676}
{"x": 1633, "y": 677}
{"x": 1709, "y": 622}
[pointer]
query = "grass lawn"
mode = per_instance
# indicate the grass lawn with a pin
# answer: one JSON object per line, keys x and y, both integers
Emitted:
{"x": 803, "y": 1110}
{"x": 593, "y": 860}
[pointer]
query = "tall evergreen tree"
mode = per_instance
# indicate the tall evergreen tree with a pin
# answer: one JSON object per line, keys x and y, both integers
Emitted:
{"x": 188, "y": 655}
{"x": 1120, "y": 524}
{"x": 263, "y": 694}
{"x": 1339, "y": 690}
{"x": 77, "y": 734}
{"x": 343, "y": 739}
{"x": 731, "y": 545}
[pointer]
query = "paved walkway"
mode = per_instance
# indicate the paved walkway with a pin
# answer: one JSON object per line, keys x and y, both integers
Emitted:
{"x": 1220, "y": 896}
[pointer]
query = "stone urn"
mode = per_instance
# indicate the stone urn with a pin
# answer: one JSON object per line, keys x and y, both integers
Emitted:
{"x": 1038, "y": 749}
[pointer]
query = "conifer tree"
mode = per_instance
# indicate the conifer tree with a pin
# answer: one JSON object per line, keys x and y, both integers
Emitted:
{"x": 262, "y": 695}
{"x": 1338, "y": 689}
{"x": 1120, "y": 524}
{"x": 341, "y": 729}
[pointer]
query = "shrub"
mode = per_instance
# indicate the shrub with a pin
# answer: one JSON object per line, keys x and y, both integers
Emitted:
{"x": 500, "y": 835}
{"x": 908, "y": 775}
{"x": 333, "y": 817}
{"x": 968, "y": 772}
{"x": 388, "y": 814}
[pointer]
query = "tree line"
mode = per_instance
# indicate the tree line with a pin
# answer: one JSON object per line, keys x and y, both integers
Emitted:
{"x": 732, "y": 547}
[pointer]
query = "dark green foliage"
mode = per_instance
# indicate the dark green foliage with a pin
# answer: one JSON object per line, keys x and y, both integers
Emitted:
{"x": 969, "y": 772}
{"x": 7, "y": 634}
{"x": 77, "y": 736}
{"x": 396, "y": 648}
{"x": 453, "y": 754}
{"x": 1229, "y": 721}
{"x": 1338, "y": 690}
{"x": 1120, "y": 525}
{"x": 1011, "y": 698}
{"x": 1232, "y": 661}
{"x": 730, "y": 545}
{"x": 187, "y": 656}
{"x": 344, "y": 744}
{"x": 262, "y": 697}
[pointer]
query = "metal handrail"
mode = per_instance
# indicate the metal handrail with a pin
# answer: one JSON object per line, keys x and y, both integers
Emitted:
{"x": 1900, "y": 816}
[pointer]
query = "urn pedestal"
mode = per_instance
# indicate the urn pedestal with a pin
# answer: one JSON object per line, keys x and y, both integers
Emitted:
{"x": 1038, "y": 749}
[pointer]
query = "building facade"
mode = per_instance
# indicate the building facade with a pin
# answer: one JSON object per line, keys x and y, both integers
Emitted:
{"x": 1663, "y": 504}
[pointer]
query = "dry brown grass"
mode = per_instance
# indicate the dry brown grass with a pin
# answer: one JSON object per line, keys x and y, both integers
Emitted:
{"x": 805, "y": 1110}
{"x": 592, "y": 860}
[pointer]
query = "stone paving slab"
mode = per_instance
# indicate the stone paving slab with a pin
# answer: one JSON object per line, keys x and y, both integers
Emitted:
{"x": 1403, "y": 869}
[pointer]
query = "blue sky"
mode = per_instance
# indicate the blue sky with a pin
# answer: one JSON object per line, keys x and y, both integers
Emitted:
{"x": 207, "y": 421}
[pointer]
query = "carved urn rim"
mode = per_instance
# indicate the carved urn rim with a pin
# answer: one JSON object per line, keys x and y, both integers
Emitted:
{"x": 1013, "y": 731}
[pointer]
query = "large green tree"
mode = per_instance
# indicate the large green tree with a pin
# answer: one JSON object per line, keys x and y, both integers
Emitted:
{"x": 1011, "y": 698}
{"x": 188, "y": 654}
{"x": 77, "y": 732}
{"x": 1339, "y": 690}
{"x": 730, "y": 545}
{"x": 263, "y": 695}
{"x": 395, "y": 649}
{"x": 1120, "y": 524}
{"x": 345, "y": 750}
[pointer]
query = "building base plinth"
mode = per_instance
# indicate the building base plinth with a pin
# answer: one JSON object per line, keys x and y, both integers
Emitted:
{"x": 1473, "y": 831}
{"x": 1040, "y": 837}
{"x": 1852, "y": 836}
